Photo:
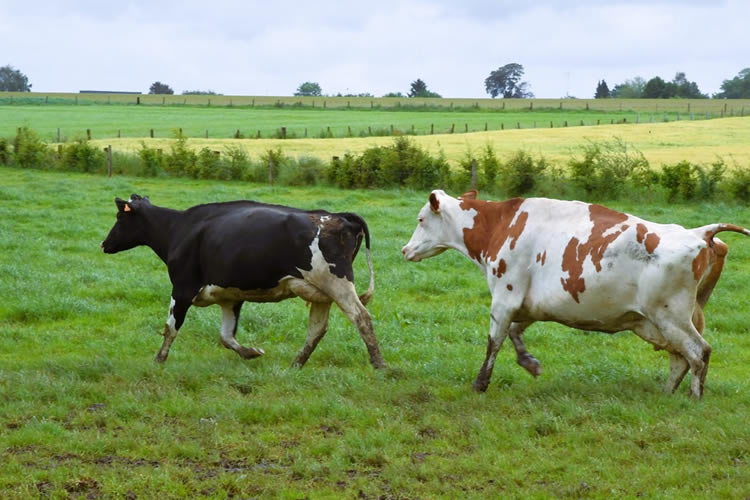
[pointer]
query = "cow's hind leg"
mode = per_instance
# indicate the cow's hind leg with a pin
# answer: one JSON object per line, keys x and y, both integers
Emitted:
{"x": 346, "y": 298}
{"x": 230, "y": 315}
{"x": 316, "y": 328}
{"x": 177, "y": 311}
{"x": 523, "y": 357}
{"x": 678, "y": 365}
{"x": 687, "y": 342}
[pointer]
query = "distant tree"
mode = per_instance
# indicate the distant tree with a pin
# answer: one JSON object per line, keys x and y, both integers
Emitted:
{"x": 629, "y": 89}
{"x": 394, "y": 94}
{"x": 602, "y": 90}
{"x": 682, "y": 87}
{"x": 656, "y": 88}
{"x": 12, "y": 80}
{"x": 736, "y": 88}
{"x": 199, "y": 92}
{"x": 160, "y": 88}
{"x": 309, "y": 89}
{"x": 506, "y": 81}
{"x": 419, "y": 89}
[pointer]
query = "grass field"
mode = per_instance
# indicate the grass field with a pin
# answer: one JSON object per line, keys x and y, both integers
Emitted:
{"x": 661, "y": 143}
{"x": 224, "y": 122}
{"x": 86, "y": 413}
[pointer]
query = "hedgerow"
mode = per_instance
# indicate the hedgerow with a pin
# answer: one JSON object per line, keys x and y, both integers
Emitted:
{"x": 603, "y": 170}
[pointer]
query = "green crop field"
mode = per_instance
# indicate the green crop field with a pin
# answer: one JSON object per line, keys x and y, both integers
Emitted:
{"x": 87, "y": 413}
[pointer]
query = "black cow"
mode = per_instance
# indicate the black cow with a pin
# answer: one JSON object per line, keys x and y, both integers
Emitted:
{"x": 228, "y": 253}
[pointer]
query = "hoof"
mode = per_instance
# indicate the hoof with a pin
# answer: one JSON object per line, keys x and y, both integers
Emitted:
{"x": 531, "y": 365}
{"x": 160, "y": 358}
{"x": 251, "y": 352}
{"x": 480, "y": 386}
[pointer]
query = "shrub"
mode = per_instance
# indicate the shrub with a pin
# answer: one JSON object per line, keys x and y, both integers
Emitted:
{"x": 152, "y": 160}
{"x": 273, "y": 159}
{"x": 237, "y": 161}
{"x": 208, "y": 165}
{"x": 739, "y": 183}
{"x": 4, "y": 151}
{"x": 680, "y": 180}
{"x": 181, "y": 160}
{"x": 607, "y": 168}
{"x": 709, "y": 179}
{"x": 490, "y": 166}
{"x": 521, "y": 173}
{"x": 82, "y": 157}
{"x": 30, "y": 151}
{"x": 306, "y": 171}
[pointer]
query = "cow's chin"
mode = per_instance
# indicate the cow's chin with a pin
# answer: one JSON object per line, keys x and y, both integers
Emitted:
{"x": 416, "y": 257}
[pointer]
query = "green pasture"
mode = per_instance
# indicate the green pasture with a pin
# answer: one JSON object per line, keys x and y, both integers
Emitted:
{"x": 87, "y": 413}
{"x": 74, "y": 116}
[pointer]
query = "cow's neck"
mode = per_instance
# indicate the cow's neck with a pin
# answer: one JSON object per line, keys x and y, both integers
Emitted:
{"x": 493, "y": 224}
{"x": 161, "y": 226}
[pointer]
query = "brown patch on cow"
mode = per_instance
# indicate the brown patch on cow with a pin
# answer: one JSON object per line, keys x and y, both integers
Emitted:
{"x": 500, "y": 269}
{"x": 575, "y": 252}
{"x": 509, "y": 287}
{"x": 700, "y": 263}
{"x": 541, "y": 257}
{"x": 652, "y": 241}
{"x": 469, "y": 195}
{"x": 493, "y": 225}
{"x": 640, "y": 232}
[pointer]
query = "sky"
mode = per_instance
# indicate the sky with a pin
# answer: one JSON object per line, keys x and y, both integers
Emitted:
{"x": 271, "y": 47}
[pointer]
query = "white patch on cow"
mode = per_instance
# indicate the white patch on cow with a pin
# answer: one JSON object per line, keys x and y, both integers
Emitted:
{"x": 171, "y": 321}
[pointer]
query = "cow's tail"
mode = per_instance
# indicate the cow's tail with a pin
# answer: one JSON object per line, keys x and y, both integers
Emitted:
{"x": 708, "y": 232}
{"x": 364, "y": 231}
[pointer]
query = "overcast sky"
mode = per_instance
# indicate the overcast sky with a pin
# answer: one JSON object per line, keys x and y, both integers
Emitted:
{"x": 271, "y": 47}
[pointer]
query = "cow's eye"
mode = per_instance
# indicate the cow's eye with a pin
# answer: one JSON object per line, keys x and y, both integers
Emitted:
{"x": 421, "y": 220}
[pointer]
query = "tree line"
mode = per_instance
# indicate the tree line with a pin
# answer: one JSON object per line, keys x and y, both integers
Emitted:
{"x": 506, "y": 82}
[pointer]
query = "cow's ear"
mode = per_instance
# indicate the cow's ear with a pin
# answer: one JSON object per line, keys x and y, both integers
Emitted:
{"x": 434, "y": 203}
{"x": 470, "y": 195}
{"x": 122, "y": 205}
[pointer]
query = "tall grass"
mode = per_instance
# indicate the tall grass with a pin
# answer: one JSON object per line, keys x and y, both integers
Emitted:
{"x": 86, "y": 412}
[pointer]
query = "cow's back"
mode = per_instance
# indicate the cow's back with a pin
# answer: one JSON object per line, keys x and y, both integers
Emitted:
{"x": 246, "y": 245}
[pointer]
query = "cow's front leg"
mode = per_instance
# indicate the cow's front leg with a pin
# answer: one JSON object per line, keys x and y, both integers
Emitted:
{"x": 316, "y": 328}
{"x": 499, "y": 326}
{"x": 230, "y": 316}
{"x": 177, "y": 311}
{"x": 523, "y": 357}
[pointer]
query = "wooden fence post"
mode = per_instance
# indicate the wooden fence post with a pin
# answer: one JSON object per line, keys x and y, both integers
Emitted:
{"x": 270, "y": 167}
{"x": 88, "y": 134}
{"x": 152, "y": 133}
{"x": 283, "y": 132}
{"x": 109, "y": 160}
{"x": 473, "y": 173}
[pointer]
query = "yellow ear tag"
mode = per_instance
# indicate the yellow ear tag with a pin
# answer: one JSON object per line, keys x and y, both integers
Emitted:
{"x": 127, "y": 208}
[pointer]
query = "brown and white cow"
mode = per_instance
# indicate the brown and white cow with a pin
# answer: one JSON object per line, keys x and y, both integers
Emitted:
{"x": 584, "y": 266}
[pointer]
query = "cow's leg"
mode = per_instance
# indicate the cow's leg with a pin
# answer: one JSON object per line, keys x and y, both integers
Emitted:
{"x": 316, "y": 328}
{"x": 678, "y": 365}
{"x": 686, "y": 340}
{"x": 523, "y": 357}
{"x": 177, "y": 311}
{"x": 230, "y": 316}
{"x": 499, "y": 326}
{"x": 346, "y": 298}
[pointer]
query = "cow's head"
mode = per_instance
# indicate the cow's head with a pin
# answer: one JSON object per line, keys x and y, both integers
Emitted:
{"x": 129, "y": 230}
{"x": 440, "y": 226}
